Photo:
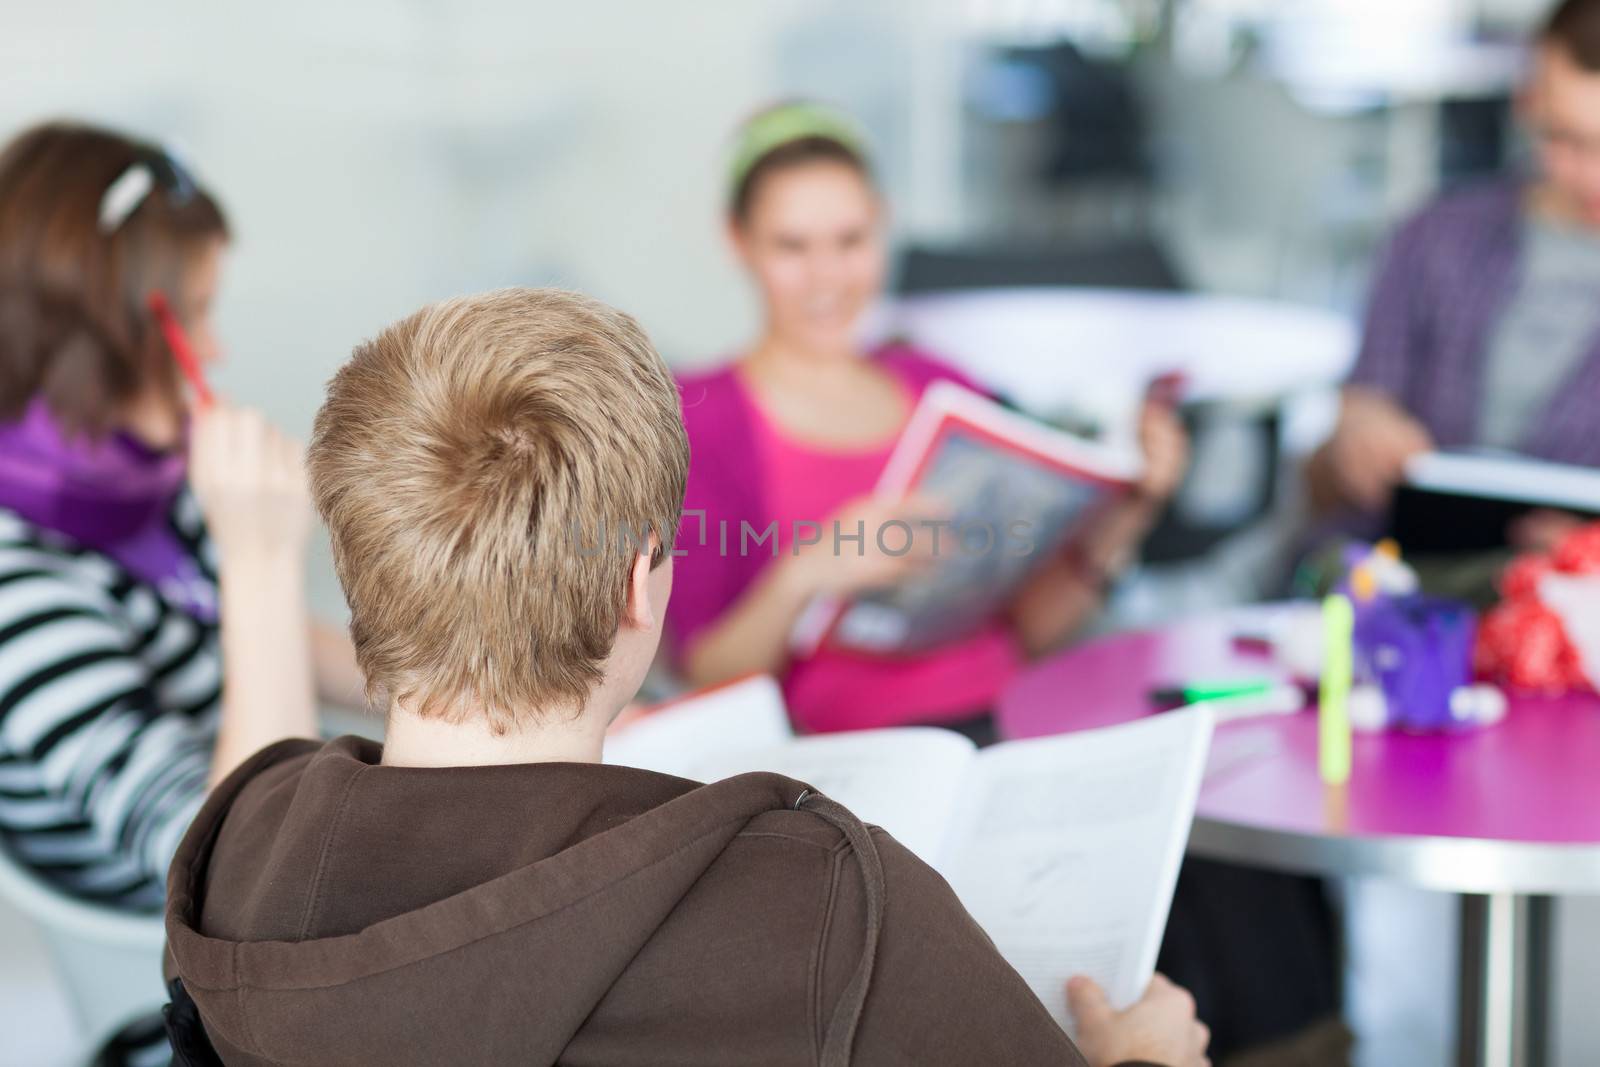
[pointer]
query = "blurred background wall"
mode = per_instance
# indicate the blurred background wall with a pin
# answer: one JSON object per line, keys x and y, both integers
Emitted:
{"x": 375, "y": 154}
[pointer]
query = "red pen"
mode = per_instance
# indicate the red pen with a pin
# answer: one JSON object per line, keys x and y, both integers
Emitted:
{"x": 178, "y": 341}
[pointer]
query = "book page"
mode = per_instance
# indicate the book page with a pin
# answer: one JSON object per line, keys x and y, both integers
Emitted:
{"x": 907, "y": 780}
{"x": 1066, "y": 849}
{"x": 1508, "y": 477}
{"x": 677, "y": 736}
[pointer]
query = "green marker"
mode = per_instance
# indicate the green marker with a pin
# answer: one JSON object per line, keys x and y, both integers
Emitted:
{"x": 1333, "y": 718}
{"x": 1204, "y": 692}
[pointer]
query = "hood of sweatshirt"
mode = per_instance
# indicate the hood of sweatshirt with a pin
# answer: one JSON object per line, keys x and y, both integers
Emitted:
{"x": 325, "y": 908}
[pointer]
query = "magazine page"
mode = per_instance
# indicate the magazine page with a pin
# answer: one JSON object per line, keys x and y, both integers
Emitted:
{"x": 674, "y": 737}
{"x": 1066, "y": 849}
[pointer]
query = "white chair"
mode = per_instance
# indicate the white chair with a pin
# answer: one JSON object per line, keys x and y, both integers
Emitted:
{"x": 109, "y": 961}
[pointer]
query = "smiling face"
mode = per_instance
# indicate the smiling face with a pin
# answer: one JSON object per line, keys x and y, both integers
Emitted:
{"x": 1562, "y": 105}
{"x": 811, "y": 237}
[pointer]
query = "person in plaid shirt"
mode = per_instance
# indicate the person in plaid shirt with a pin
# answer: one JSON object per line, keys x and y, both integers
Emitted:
{"x": 1483, "y": 328}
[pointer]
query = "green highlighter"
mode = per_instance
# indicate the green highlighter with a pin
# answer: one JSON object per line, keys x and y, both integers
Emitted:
{"x": 1206, "y": 692}
{"x": 1333, "y": 717}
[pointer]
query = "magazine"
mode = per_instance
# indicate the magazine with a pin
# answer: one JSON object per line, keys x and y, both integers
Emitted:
{"x": 1016, "y": 491}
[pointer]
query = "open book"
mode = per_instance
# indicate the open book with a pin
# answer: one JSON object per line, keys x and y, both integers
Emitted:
{"x": 1065, "y": 849}
{"x": 1016, "y": 490}
{"x": 1465, "y": 501}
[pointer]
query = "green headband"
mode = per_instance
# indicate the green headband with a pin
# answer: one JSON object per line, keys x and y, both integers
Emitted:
{"x": 785, "y": 124}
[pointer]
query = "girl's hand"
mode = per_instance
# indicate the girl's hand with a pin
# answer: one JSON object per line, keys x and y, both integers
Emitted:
{"x": 894, "y": 545}
{"x": 1104, "y": 549}
{"x": 1165, "y": 445}
{"x": 250, "y": 482}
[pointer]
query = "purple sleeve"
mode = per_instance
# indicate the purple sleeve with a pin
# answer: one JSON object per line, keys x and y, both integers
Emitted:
{"x": 723, "y": 489}
{"x": 1393, "y": 334}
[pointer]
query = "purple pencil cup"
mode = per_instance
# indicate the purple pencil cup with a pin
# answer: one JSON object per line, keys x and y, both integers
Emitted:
{"x": 1418, "y": 649}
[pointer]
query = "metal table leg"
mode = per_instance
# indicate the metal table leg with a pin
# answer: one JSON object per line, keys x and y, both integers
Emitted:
{"x": 1504, "y": 996}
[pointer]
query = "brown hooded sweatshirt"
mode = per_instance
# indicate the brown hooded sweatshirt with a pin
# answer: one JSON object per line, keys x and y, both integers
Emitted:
{"x": 324, "y": 909}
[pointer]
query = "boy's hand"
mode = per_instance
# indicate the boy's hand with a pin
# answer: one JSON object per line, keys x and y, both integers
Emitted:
{"x": 1370, "y": 446}
{"x": 1160, "y": 1028}
{"x": 853, "y": 567}
{"x": 250, "y": 481}
{"x": 1542, "y": 530}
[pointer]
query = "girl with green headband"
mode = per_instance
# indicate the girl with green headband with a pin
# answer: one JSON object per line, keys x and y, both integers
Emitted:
{"x": 795, "y": 431}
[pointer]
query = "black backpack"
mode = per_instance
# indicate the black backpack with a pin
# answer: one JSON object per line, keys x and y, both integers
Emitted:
{"x": 191, "y": 1045}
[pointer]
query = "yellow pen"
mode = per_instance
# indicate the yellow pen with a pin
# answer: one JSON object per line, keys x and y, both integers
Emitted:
{"x": 1333, "y": 716}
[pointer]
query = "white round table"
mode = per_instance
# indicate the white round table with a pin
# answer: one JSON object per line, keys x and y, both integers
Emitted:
{"x": 1099, "y": 347}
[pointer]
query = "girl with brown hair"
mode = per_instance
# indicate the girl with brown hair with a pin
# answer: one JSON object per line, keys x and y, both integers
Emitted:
{"x": 114, "y": 640}
{"x": 798, "y": 428}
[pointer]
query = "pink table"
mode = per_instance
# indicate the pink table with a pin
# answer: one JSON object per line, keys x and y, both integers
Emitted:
{"x": 1505, "y": 816}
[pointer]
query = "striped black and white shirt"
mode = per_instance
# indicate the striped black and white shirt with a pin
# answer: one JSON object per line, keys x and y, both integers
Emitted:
{"x": 109, "y": 701}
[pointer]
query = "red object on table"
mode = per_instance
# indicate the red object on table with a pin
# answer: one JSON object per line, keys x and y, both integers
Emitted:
{"x": 182, "y": 351}
{"x": 1522, "y": 642}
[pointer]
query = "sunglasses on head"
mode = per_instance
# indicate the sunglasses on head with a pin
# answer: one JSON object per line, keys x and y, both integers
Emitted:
{"x": 152, "y": 170}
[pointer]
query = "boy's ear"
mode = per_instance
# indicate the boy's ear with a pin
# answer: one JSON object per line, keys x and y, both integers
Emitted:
{"x": 638, "y": 611}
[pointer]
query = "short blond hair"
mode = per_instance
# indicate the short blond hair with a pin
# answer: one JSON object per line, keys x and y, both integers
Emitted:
{"x": 475, "y": 463}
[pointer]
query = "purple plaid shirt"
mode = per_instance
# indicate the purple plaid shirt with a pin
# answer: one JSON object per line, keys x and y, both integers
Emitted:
{"x": 1444, "y": 281}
